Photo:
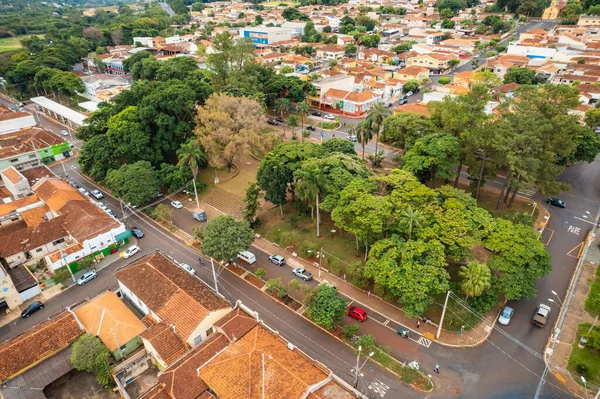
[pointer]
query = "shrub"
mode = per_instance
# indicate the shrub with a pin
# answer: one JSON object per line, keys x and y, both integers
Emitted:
{"x": 61, "y": 275}
{"x": 293, "y": 220}
{"x": 350, "y": 330}
{"x": 356, "y": 273}
{"x": 309, "y": 249}
{"x": 444, "y": 80}
{"x": 325, "y": 307}
{"x": 260, "y": 272}
{"x": 275, "y": 285}
{"x": 293, "y": 287}
{"x": 367, "y": 342}
{"x": 592, "y": 302}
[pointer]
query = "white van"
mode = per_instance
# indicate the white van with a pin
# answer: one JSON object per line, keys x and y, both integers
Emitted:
{"x": 247, "y": 256}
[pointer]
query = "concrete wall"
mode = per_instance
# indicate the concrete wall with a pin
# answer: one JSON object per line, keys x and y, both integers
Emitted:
{"x": 13, "y": 125}
{"x": 208, "y": 322}
{"x": 8, "y": 292}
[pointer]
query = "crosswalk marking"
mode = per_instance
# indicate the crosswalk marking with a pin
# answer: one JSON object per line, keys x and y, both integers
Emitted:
{"x": 424, "y": 341}
{"x": 379, "y": 387}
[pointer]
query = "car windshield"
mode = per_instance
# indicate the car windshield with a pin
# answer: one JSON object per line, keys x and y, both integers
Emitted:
{"x": 506, "y": 313}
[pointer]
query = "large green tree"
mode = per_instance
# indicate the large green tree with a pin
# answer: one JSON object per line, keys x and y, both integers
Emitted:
{"x": 405, "y": 128}
{"x": 225, "y": 237}
{"x": 432, "y": 157}
{"x": 325, "y": 307}
{"x": 135, "y": 183}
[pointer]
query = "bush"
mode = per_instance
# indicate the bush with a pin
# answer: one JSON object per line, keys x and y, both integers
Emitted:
{"x": 293, "y": 220}
{"x": 275, "y": 285}
{"x": 61, "y": 275}
{"x": 325, "y": 307}
{"x": 350, "y": 330}
{"x": 367, "y": 342}
{"x": 85, "y": 263}
{"x": 335, "y": 266}
{"x": 293, "y": 287}
{"x": 592, "y": 302}
{"x": 356, "y": 275}
{"x": 309, "y": 249}
{"x": 444, "y": 80}
{"x": 260, "y": 272}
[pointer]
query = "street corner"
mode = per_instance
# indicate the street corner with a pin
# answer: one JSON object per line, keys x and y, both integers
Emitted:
{"x": 546, "y": 236}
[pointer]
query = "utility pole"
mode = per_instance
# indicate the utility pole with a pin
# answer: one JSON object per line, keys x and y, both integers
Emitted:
{"x": 212, "y": 263}
{"x": 358, "y": 368}
{"x": 443, "y": 314}
{"x": 320, "y": 261}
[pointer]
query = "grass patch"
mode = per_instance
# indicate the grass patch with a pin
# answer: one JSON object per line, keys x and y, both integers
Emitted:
{"x": 456, "y": 316}
{"x": 12, "y": 43}
{"x": 489, "y": 198}
{"x": 592, "y": 302}
{"x": 585, "y": 361}
{"x": 329, "y": 125}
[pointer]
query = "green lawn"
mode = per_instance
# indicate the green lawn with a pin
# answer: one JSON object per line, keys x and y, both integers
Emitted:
{"x": 11, "y": 43}
{"x": 585, "y": 361}
{"x": 276, "y": 3}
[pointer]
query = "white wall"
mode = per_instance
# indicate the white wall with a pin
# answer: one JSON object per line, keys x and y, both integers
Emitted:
{"x": 208, "y": 322}
{"x": 531, "y": 51}
{"x": 15, "y": 124}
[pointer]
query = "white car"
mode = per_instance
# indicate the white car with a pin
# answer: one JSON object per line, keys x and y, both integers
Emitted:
{"x": 352, "y": 138}
{"x": 410, "y": 93}
{"x": 132, "y": 250}
{"x": 84, "y": 191}
{"x": 97, "y": 194}
{"x": 188, "y": 268}
{"x": 177, "y": 204}
{"x": 329, "y": 116}
{"x": 64, "y": 132}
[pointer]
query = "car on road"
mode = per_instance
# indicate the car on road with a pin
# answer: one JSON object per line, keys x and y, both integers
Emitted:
{"x": 352, "y": 138}
{"x": 177, "y": 204}
{"x": 64, "y": 132}
{"x": 247, "y": 256}
{"x": 410, "y": 93}
{"x": 272, "y": 122}
{"x": 302, "y": 273}
{"x": 556, "y": 202}
{"x": 97, "y": 194}
{"x": 31, "y": 309}
{"x": 277, "y": 260}
{"x": 403, "y": 101}
{"x": 102, "y": 205}
{"x": 311, "y": 128}
{"x": 505, "y": 316}
{"x": 137, "y": 233}
{"x": 132, "y": 250}
{"x": 389, "y": 105}
{"x": 188, "y": 269}
{"x": 329, "y": 116}
{"x": 87, "y": 276}
{"x": 541, "y": 315}
{"x": 403, "y": 97}
{"x": 315, "y": 113}
{"x": 74, "y": 184}
{"x": 415, "y": 91}
{"x": 357, "y": 313}
{"x": 278, "y": 119}
{"x": 84, "y": 191}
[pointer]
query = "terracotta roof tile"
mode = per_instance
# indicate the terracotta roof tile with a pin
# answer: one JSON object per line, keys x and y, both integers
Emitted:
{"x": 236, "y": 324}
{"x": 159, "y": 391}
{"x": 361, "y": 97}
{"x": 35, "y": 216}
{"x": 108, "y": 318}
{"x": 166, "y": 343}
{"x": 182, "y": 312}
{"x": 39, "y": 343}
{"x": 417, "y": 108}
{"x": 12, "y": 175}
{"x": 29, "y": 237}
{"x": 181, "y": 378}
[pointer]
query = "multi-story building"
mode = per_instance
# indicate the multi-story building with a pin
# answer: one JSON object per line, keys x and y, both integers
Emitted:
{"x": 30, "y": 148}
{"x": 261, "y": 35}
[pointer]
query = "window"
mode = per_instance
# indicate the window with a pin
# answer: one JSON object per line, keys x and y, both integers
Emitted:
{"x": 32, "y": 156}
{"x": 122, "y": 348}
{"x": 210, "y": 331}
{"x": 198, "y": 339}
{"x": 58, "y": 241}
{"x": 39, "y": 250}
{"x": 14, "y": 160}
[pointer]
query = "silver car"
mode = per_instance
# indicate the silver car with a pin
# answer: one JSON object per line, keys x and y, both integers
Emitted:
{"x": 87, "y": 276}
{"x": 302, "y": 273}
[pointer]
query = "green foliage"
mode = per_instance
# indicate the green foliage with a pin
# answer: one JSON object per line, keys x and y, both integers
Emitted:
{"x": 90, "y": 354}
{"x": 351, "y": 49}
{"x": 252, "y": 201}
{"x": 432, "y": 157}
{"x": 366, "y": 342}
{"x": 260, "y": 272}
{"x": 411, "y": 85}
{"x": 162, "y": 212}
{"x": 225, "y": 237}
{"x": 292, "y": 13}
{"x": 475, "y": 278}
{"x": 369, "y": 40}
{"x": 444, "y": 80}
{"x": 85, "y": 263}
{"x": 350, "y": 330}
{"x": 592, "y": 302}
{"x": 520, "y": 75}
{"x": 276, "y": 286}
{"x": 403, "y": 47}
{"x": 286, "y": 69}
{"x": 405, "y": 128}
{"x": 325, "y": 307}
{"x": 61, "y": 275}
{"x": 342, "y": 146}
{"x": 136, "y": 183}
{"x": 174, "y": 178}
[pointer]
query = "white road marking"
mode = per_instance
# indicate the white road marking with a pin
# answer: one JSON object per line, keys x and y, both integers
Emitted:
{"x": 379, "y": 387}
{"x": 583, "y": 220}
{"x": 574, "y": 230}
{"x": 425, "y": 342}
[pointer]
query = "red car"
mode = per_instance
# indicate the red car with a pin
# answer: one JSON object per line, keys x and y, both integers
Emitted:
{"x": 357, "y": 313}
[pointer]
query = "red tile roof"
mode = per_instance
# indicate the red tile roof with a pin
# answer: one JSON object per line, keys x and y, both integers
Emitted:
{"x": 166, "y": 343}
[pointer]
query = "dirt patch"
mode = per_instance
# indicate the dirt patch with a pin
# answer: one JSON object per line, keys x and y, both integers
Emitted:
{"x": 255, "y": 281}
{"x": 237, "y": 269}
{"x": 287, "y": 301}
{"x": 76, "y": 385}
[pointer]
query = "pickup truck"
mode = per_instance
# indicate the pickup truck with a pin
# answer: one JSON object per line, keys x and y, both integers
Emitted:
{"x": 541, "y": 315}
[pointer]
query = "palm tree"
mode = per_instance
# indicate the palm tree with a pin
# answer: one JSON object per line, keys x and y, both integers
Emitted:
{"x": 364, "y": 134}
{"x": 282, "y": 105}
{"x": 475, "y": 278}
{"x": 192, "y": 155}
{"x": 410, "y": 219}
{"x": 376, "y": 115}
{"x": 309, "y": 186}
{"x": 302, "y": 110}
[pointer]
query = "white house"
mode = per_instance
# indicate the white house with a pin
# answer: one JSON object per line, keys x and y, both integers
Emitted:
{"x": 15, "y": 121}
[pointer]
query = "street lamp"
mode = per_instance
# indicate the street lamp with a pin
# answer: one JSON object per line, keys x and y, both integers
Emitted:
{"x": 585, "y": 385}
{"x": 358, "y": 368}
{"x": 557, "y": 297}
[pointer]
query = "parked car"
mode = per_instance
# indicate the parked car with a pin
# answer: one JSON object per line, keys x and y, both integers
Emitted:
{"x": 357, "y": 313}
{"x": 277, "y": 260}
{"x": 505, "y": 316}
{"x": 389, "y": 105}
{"x": 329, "y": 116}
{"x": 177, "y": 204}
{"x": 279, "y": 119}
{"x": 272, "y": 122}
{"x": 188, "y": 269}
{"x": 132, "y": 250}
{"x": 416, "y": 90}
{"x": 102, "y": 205}
{"x": 352, "y": 138}
{"x": 316, "y": 113}
{"x": 247, "y": 256}
{"x": 74, "y": 184}
{"x": 97, "y": 194}
{"x": 87, "y": 276}
{"x": 541, "y": 315}
{"x": 31, "y": 309}
{"x": 64, "y": 132}
{"x": 110, "y": 212}
{"x": 410, "y": 93}
{"x": 556, "y": 202}
{"x": 403, "y": 97}
{"x": 302, "y": 273}
{"x": 311, "y": 128}
{"x": 403, "y": 101}
{"x": 84, "y": 191}
{"x": 137, "y": 233}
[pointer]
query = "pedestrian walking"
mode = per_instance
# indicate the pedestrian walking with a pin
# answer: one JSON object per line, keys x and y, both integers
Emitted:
{"x": 437, "y": 368}
{"x": 418, "y": 324}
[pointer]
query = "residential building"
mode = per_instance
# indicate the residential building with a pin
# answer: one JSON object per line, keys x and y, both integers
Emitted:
{"x": 32, "y": 147}
{"x": 10, "y": 300}
{"x": 261, "y": 35}
{"x": 108, "y": 318}
{"x": 162, "y": 290}
{"x": 272, "y": 58}
{"x": 531, "y": 51}
{"x": 417, "y": 108}
{"x": 588, "y": 20}
{"x": 376, "y": 56}
{"x": 412, "y": 72}
{"x": 340, "y": 82}
{"x": 331, "y": 52}
{"x": 15, "y": 121}
{"x": 296, "y": 27}
{"x": 99, "y": 82}
{"x": 436, "y": 63}
{"x": 34, "y": 359}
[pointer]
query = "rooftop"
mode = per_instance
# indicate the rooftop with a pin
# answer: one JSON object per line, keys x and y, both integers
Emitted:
{"x": 166, "y": 343}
